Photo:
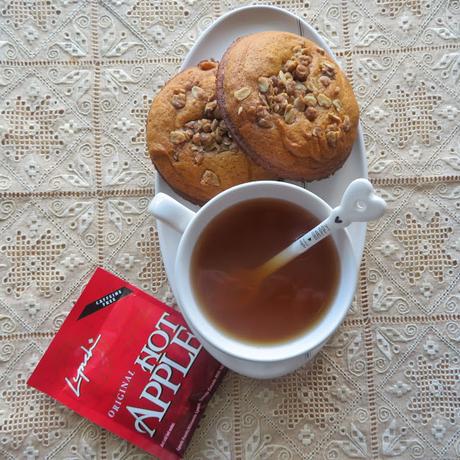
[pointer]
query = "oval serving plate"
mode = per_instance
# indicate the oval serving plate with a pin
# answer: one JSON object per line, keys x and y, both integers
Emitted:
{"x": 212, "y": 44}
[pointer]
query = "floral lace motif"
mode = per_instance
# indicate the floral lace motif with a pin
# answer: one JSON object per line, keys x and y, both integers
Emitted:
{"x": 76, "y": 81}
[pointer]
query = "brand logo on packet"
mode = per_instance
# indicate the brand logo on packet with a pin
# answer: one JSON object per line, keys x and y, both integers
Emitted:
{"x": 75, "y": 382}
{"x": 164, "y": 371}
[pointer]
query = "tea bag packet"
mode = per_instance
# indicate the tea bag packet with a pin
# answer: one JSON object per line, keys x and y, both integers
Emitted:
{"x": 129, "y": 363}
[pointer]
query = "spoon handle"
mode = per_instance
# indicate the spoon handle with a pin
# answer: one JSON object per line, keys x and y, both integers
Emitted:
{"x": 296, "y": 248}
{"x": 359, "y": 204}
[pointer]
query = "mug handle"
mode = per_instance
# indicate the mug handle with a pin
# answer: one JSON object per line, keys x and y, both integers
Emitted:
{"x": 171, "y": 212}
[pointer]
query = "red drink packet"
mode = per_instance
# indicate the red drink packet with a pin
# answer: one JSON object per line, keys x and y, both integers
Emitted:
{"x": 129, "y": 363}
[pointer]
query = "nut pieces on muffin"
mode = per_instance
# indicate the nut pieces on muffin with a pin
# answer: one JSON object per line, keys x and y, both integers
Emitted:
{"x": 287, "y": 104}
{"x": 188, "y": 141}
{"x": 276, "y": 106}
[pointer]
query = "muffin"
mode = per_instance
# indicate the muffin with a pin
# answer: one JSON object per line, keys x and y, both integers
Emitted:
{"x": 287, "y": 104}
{"x": 188, "y": 141}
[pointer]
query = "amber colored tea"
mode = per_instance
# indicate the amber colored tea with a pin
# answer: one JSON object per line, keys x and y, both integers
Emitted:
{"x": 283, "y": 305}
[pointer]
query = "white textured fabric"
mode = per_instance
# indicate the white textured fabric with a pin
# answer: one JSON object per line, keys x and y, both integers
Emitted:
{"x": 76, "y": 79}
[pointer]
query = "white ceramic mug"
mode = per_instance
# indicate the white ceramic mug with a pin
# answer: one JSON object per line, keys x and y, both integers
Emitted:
{"x": 259, "y": 361}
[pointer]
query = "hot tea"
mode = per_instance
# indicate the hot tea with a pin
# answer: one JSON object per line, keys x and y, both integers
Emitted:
{"x": 285, "y": 304}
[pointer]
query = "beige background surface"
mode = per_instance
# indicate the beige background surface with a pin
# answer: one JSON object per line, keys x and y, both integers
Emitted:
{"x": 76, "y": 79}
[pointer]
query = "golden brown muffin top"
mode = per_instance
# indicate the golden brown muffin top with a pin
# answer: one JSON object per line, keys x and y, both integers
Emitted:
{"x": 288, "y": 104}
{"x": 188, "y": 141}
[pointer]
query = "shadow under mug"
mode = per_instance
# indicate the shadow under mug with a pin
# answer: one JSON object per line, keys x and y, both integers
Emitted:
{"x": 254, "y": 360}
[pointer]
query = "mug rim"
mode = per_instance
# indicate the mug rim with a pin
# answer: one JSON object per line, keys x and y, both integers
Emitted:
{"x": 240, "y": 349}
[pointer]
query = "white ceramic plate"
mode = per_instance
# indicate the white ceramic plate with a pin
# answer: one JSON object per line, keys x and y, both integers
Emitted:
{"x": 212, "y": 44}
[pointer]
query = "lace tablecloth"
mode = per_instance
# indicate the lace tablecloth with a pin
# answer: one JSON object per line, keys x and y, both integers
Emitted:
{"x": 76, "y": 79}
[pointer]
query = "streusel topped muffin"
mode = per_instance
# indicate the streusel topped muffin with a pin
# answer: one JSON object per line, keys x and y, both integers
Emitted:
{"x": 287, "y": 104}
{"x": 188, "y": 141}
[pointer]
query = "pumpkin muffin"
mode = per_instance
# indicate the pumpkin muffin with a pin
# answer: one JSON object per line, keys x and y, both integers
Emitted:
{"x": 188, "y": 141}
{"x": 287, "y": 104}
